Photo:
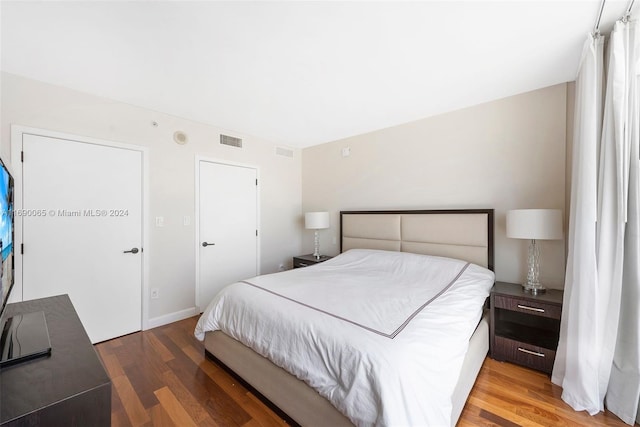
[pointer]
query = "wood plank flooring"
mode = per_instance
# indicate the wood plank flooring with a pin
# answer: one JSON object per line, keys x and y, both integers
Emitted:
{"x": 161, "y": 378}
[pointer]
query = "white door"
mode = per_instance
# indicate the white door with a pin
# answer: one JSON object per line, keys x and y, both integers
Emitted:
{"x": 228, "y": 242}
{"x": 82, "y": 211}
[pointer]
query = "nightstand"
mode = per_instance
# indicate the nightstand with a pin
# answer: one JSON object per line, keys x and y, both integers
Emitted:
{"x": 307, "y": 260}
{"x": 525, "y": 328}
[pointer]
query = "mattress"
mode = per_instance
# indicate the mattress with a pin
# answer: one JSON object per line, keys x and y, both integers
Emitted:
{"x": 375, "y": 333}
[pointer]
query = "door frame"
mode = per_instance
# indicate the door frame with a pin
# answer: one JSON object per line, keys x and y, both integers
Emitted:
{"x": 17, "y": 132}
{"x": 199, "y": 159}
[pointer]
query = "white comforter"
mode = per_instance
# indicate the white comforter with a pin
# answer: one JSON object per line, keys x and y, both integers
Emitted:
{"x": 382, "y": 335}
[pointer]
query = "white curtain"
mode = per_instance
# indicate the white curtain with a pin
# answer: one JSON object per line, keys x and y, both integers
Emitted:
{"x": 598, "y": 358}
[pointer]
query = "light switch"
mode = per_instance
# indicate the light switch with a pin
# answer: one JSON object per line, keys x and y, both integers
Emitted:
{"x": 186, "y": 220}
{"x": 159, "y": 221}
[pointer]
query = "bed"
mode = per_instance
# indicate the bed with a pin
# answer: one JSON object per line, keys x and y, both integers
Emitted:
{"x": 465, "y": 237}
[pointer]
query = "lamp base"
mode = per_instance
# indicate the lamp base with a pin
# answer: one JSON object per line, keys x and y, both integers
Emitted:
{"x": 534, "y": 290}
{"x": 316, "y": 245}
{"x": 532, "y": 285}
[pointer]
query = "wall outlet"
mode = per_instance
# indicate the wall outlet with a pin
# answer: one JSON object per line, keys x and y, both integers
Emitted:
{"x": 155, "y": 293}
{"x": 281, "y": 267}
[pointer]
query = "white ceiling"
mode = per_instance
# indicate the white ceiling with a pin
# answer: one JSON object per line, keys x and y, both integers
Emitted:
{"x": 300, "y": 73}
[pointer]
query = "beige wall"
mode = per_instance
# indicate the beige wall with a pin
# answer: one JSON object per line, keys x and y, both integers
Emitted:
{"x": 506, "y": 154}
{"x": 172, "y": 252}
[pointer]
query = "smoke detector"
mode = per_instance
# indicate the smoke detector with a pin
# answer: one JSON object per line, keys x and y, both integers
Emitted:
{"x": 180, "y": 137}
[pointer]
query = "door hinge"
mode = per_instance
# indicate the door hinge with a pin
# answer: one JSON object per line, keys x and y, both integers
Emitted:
{"x": 22, "y": 156}
{"x": 256, "y": 232}
{"x": 21, "y": 248}
{"x": 256, "y": 181}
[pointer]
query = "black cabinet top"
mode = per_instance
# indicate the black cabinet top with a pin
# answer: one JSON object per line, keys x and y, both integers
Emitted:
{"x": 553, "y": 296}
{"x": 312, "y": 258}
{"x": 72, "y": 368}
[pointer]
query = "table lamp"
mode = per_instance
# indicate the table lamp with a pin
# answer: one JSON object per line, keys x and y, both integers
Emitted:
{"x": 316, "y": 221}
{"x": 534, "y": 224}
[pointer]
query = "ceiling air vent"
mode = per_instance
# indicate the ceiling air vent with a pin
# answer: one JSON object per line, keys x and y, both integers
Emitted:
{"x": 230, "y": 140}
{"x": 283, "y": 151}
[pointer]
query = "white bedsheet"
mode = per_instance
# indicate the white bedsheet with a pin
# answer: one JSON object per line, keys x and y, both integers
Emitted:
{"x": 382, "y": 335}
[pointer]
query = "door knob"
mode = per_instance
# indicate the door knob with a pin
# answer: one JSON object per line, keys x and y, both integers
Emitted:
{"x": 205, "y": 244}
{"x": 132, "y": 251}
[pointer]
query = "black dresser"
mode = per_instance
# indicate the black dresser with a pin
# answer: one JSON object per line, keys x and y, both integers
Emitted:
{"x": 68, "y": 388}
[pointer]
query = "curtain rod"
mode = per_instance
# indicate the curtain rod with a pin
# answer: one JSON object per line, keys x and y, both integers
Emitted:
{"x": 625, "y": 17}
{"x": 596, "y": 28}
{"x": 627, "y": 14}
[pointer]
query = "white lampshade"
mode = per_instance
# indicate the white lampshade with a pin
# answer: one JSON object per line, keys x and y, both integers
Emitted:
{"x": 538, "y": 224}
{"x": 316, "y": 220}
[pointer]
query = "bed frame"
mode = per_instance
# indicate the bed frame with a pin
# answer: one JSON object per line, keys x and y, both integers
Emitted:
{"x": 465, "y": 234}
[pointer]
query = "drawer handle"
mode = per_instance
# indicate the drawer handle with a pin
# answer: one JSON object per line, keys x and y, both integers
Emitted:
{"x": 535, "y": 353}
{"x": 302, "y": 264}
{"x": 526, "y": 307}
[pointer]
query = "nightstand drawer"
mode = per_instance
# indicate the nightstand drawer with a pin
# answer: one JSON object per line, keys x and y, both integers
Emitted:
{"x": 529, "y": 307}
{"x": 525, "y": 354}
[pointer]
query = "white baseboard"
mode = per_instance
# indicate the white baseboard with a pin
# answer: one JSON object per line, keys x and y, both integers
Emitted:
{"x": 171, "y": 317}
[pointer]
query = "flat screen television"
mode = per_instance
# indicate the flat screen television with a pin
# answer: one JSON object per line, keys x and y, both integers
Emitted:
{"x": 22, "y": 336}
{"x": 6, "y": 235}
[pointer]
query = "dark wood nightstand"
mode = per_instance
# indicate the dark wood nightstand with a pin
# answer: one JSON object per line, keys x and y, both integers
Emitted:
{"x": 524, "y": 327}
{"x": 307, "y": 260}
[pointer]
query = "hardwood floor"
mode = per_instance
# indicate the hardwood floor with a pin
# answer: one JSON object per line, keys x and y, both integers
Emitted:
{"x": 161, "y": 378}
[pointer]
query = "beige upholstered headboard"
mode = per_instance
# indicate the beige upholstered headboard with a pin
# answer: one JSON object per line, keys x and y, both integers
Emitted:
{"x": 465, "y": 234}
